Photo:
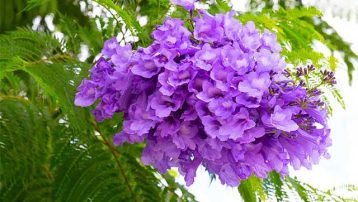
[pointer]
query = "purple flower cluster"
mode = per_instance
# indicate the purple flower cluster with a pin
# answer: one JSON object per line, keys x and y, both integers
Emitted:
{"x": 217, "y": 96}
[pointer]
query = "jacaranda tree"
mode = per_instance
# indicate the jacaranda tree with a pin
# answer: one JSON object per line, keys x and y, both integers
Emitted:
{"x": 178, "y": 84}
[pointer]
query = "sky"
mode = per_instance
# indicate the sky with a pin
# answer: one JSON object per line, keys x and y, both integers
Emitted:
{"x": 342, "y": 167}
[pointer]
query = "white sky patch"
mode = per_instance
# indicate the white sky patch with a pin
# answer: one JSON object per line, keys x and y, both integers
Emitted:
{"x": 84, "y": 53}
{"x": 36, "y": 22}
{"x": 342, "y": 168}
{"x": 49, "y": 22}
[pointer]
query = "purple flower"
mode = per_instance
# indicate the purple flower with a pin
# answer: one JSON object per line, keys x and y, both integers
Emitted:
{"x": 101, "y": 72}
{"x": 86, "y": 94}
{"x": 110, "y": 47}
{"x": 281, "y": 119}
{"x": 163, "y": 105}
{"x": 222, "y": 76}
{"x": 166, "y": 88}
{"x": 236, "y": 59}
{"x": 180, "y": 77}
{"x": 235, "y": 126}
{"x": 216, "y": 96}
{"x": 210, "y": 149}
{"x": 170, "y": 80}
{"x": 248, "y": 101}
{"x": 184, "y": 138}
{"x": 196, "y": 83}
{"x": 106, "y": 108}
{"x": 172, "y": 34}
{"x": 255, "y": 84}
{"x": 252, "y": 134}
{"x": 205, "y": 57}
{"x": 144, "y": 66}
{"x": 231, "y": 25}
{"x": 209, "y": 92}
{"x": 228, "y": 176}
{"x": 269, "y": 41}
{"x": 187, "y": 4}
{"x": 139, "y": 120}
{"x": 231, "y": 128}
{"x": 168, "y": 127}
{"x": 208, "y": 28}
{"x": 250, "y": 38}
{"x": 222, "y": 107}
{"x": 120, "y": 138}
{"x": 267, "y": 61}
{"x": 122, "y": 56}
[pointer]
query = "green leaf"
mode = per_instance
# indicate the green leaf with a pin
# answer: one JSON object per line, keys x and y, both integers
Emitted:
{"x": 130, "y": 21}
{"x": 251, "y": 189}
{"x": 220, "y": 6}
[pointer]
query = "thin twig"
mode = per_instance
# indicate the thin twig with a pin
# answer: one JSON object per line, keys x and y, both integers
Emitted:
{"x": 116, "y": 155}
{"x": 13, "y": 97}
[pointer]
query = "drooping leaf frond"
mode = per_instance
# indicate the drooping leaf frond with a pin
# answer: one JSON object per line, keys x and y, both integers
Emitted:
{"x": 287, "y": 189}
{"x": 52, "y": 150}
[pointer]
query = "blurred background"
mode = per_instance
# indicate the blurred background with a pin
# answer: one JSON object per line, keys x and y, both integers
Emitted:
{"x": 47, "y": 47}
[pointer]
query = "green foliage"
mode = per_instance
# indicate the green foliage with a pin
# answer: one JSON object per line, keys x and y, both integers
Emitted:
{"x": 220, "y": 6}
{"x": 54, "y": 151}
{"x": 131, "y": 23}
{"x": 40, "y": 56}
{"x": 48, "y": 161}
{"x": 15, "y": 13}
{"x": 299, "y": 26}
{"x": 252, "y": 189}
{"x": 156, "y": 11}
{"x": 274, "y": 187}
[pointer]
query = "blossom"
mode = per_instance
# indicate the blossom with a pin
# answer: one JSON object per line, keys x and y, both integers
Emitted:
{"x": 110, "y": 46}
{"x": 187, "y": 4}
{"x": 143, "y": 65}
{"x": 281, "y": 119}
{"x": 255, "y": 84}
{"x": 204, "y": 58}
{"x": 208, "y": 28}
{"x": 87, "y": 93}
{"x": 216, "y": 96}
{"x": 209, "y": 92}
{"x": 222, "y": 107}
{"x": 122, "y": 56}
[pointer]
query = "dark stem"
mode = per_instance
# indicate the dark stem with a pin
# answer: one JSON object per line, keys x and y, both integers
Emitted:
{"x": 116, "y": 155}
